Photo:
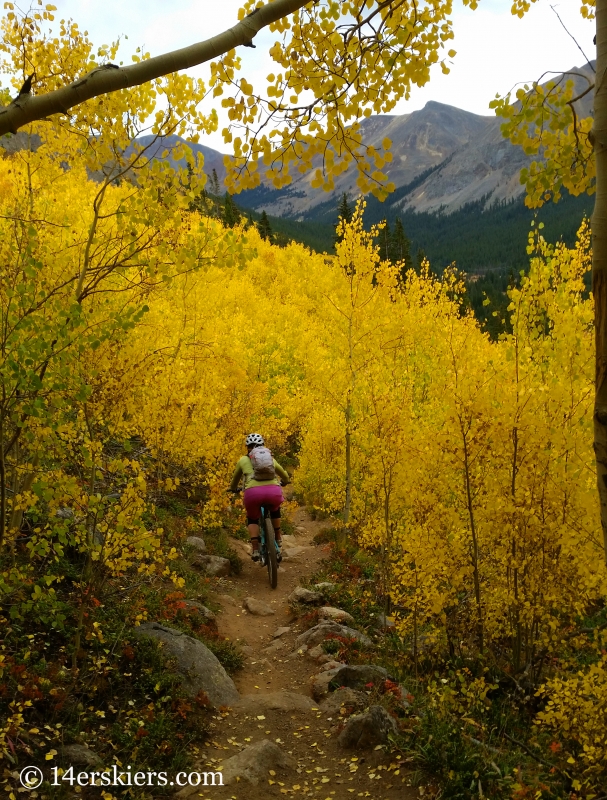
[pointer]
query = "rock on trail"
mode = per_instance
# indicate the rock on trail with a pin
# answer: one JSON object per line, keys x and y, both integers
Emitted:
{"x": 368, "y": 730}
{"x": 258, "y": 607}
{"x": 285, "y": 701}
{"x": 275, "y": 647}
{"x": 348, "y": 699}
{"x": 352, "y": 677}
{"x": 302, "y": 595}
{"x": 328, "y": 630}
{"x": 253, "y": 764}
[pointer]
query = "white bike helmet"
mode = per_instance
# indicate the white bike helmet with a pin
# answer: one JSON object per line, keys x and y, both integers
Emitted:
{"x": 254, "y": 439}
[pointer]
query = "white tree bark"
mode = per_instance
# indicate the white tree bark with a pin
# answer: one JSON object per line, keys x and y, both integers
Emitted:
{"x": 110, "y": 78}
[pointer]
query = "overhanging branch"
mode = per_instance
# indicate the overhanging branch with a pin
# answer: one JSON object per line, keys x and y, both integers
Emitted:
{"x": 110, "y": 78}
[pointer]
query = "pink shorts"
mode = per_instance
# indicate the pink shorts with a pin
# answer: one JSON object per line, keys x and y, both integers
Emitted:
{"x": 270, "y": 496}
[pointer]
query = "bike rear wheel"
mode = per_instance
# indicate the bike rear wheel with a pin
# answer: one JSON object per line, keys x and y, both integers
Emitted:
{"x": 272, "y": 562}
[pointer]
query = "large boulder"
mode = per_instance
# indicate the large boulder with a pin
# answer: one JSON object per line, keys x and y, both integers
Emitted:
{"x": 200, "y": 669}
{"x": 301, "y": 595}
{"x": 258, "y": 607}
{"x": 336, "y": 614}
{"x": 253, "y": 764}
{"x": 327, "y": 630}
{"x": 215, "y": 566}
{"x": 368, "y": 730}
{"x": 285, "y": 701}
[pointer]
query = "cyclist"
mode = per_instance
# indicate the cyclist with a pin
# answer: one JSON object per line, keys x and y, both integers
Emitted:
{"x": 258, "y": 493}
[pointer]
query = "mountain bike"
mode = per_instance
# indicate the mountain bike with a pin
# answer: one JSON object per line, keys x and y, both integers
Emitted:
{"x": 268, "y": 548}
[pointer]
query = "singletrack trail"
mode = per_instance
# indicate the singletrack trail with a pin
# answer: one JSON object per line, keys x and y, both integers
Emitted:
{"x": 323, "y": 769}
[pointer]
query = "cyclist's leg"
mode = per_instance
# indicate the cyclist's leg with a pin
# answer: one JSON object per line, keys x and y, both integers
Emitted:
{"x": 274, "y": 506}
{"x": 252, "y": 504}
{"x": 276, "y": 524}
{"x": 253, "y": 527}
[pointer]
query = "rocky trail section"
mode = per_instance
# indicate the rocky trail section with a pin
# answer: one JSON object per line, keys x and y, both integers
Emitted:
{"x": 285, "y": 736}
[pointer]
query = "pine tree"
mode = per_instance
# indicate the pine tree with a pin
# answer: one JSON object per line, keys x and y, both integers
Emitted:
{"x": 385, "y": 243}
{"x": 419, "y": 259}
{"x": 401, "y": 247}
{"x": 264, "y": 227}
{"x": 215, "y": 195}
{"x": 214, "y": 187}
{"x": 344, "y": 212}
{"x": 198, "y": 203}
{"x": 231, "y": 214}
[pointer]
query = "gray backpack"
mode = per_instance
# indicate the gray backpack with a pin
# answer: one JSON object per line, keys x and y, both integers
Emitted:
{"x": 263, "y": 464}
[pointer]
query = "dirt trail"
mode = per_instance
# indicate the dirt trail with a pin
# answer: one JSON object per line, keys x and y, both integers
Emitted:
{"x": 324, "y": 770}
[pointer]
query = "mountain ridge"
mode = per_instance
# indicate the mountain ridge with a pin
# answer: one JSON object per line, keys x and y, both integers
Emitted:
{"x": 443, "y": 158}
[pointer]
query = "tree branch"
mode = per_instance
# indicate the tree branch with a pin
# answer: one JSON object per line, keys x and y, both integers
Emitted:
{"x": 110, "y": 78}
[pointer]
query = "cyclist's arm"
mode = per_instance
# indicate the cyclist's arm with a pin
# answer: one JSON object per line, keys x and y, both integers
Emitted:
{"x": 281, "y": 471}
{"x": 236, "y": 478}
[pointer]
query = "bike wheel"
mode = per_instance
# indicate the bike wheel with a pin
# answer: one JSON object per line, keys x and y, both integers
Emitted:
{"x": 272, "y": 562}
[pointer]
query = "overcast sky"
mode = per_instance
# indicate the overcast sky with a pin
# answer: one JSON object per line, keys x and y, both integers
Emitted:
{"x": 495, "y": 50}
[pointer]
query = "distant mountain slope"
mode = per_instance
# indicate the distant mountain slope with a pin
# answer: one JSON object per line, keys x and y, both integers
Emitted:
{"x": 487, "y": 166}
{"x": 443, "y": 159}
{"x": 212, "y": 158}
{"x": 420, "y": 140}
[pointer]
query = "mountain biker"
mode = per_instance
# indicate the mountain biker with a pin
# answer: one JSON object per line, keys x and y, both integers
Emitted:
{"x": 258, "y": 493}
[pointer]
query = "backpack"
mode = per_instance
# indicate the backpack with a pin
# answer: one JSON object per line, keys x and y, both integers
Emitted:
{"x": 263, "y": 464}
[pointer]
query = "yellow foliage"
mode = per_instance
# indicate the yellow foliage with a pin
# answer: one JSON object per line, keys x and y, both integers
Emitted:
{"x": 574, "y": 713}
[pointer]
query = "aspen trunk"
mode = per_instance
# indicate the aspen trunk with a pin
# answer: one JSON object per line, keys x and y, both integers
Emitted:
{"x": 2, "y": 481}
{"x": 348, "y": 502}
{"x": 349, "y": 414}
{"x": 599, "y": 262}
{"x": 474, "y": 553}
